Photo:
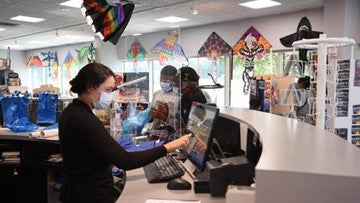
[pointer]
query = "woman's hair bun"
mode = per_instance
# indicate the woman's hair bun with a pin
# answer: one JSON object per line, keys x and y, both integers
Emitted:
{"x": 74, "y": 85}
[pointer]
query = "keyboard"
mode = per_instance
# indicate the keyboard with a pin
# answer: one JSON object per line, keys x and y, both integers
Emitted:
{"x": 162, "y": 170}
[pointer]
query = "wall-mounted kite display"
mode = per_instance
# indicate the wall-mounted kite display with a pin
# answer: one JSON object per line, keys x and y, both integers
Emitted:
{"x": 169, "y": 49}
{"x": 213, "y": 48}
{"x": 34, "y": 61}
{"x": 69, "y": 62}
{"x": 303, "y": 31}
{"x": 136, "y": 52}
{"x": 87, "y": 52}
{"x": 108, "y": 21}
{"x": 251, "y": 44}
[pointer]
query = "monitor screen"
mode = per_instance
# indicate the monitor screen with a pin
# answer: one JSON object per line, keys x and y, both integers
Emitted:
{"x": 201, "y": 122}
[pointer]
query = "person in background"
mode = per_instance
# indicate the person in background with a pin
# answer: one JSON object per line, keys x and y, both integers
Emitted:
{"x": 189, "y": 91}
{"x": 87, "y": 148}
{"x": 302, "y": 112}
{"x": 165, "y": 100}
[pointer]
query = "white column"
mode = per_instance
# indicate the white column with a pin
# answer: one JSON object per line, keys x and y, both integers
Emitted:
{"x": 321, "y": 84}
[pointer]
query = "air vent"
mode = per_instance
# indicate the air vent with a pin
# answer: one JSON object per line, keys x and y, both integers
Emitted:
{"x": 8, "y": 24}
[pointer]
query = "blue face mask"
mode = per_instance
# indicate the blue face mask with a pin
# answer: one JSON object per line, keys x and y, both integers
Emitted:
{"x": 105, "y": 100}
{"x": 166, "y": 87}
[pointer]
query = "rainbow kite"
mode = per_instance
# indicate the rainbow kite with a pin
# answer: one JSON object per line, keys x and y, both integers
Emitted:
{"x": 50, "y": 57}
{"x": 169, "y": 49}
{"x": 107, "y": 20}
{"x": 136, "y": 52}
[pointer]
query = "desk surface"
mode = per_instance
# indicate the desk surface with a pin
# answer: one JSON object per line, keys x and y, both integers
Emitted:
{"x": 299, "y": 163}
{"x": 137, "y": 189}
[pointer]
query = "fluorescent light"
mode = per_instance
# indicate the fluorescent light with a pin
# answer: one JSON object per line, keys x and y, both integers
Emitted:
{"x": 172, "y": 19}
{"x": 13, "y": 46}
{"x": 38, "y": 42}
{"x": 27, "y": 19}
{"x": 72, "y": 3}
{"x": 174, "y": 26}
{"x": 136, "y": 34}
{"x": 71, "y": 37}
{"x": 258, "y": 4}
{"x": 2, "y": 29}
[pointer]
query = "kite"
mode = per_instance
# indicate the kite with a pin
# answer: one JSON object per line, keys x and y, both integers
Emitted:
{"x": 49, "y": 57}
{"x": 108, "y": 21}
{"x": 213, "y": 48}
{"x": 303, "y": 31}
{"x": 34, "y": 61}
{"x": 87, "y": 52}
{"x": 251, "y": 44}
{"x": 169, "y": 49}
{"x": 136, "y": 52}
{"x": 69, "y": 62}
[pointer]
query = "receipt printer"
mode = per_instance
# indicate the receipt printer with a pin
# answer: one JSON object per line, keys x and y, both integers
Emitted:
{"x": 229, "y": 171}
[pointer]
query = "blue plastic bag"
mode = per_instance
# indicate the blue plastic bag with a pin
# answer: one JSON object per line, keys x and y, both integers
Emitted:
{"x": 23, "y": 125}
{"x": 14, "y": 108}
{"x": 136, "y": 120}
{"x": 46, "y": 112}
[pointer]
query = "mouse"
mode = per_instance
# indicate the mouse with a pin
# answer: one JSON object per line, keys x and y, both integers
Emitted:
{"x": 178, "y": 184}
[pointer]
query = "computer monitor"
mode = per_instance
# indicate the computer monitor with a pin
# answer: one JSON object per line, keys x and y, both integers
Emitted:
{"x": 202, "y": 119}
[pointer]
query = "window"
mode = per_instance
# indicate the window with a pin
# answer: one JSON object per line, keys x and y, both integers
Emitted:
{"x": 38, "y": 77}
{"x": 203, "y": 66}
{"x": 266, "y": 65}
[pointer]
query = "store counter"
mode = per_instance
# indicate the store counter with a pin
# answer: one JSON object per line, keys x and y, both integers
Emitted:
{"x": 27, "y": 178}
{"x": 299, "y": 163}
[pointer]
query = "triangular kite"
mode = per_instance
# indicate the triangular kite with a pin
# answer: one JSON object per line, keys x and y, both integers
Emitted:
{"x": 136, "y": 52}
{"x": 169, "y": 49}
{"x": 214, "y": 47}
{"x": 34, "y": 61}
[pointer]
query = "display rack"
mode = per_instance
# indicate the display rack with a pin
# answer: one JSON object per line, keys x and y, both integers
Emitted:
{"x": 325, "y": 77}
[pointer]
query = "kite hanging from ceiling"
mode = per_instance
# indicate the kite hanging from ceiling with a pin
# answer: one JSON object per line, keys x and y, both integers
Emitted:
{"x": 136, "y": 52}
{"x": 108, "y": 21}
{"x": 251, "y": 44}
{"x": 169, "y": 49}
{"x": 87, "y": 52}
{"x": 51, "y": 59}
{"x": 213, "y": 48}
{"x": 303, "y": 31}
{"x": 69, "y": 62}
{"x": 34, "y": 61}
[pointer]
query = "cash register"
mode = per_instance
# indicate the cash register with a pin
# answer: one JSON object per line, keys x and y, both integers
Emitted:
{"x": 210, "y": 174}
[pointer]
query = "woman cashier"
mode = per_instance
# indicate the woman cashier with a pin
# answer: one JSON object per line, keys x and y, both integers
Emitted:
{"x": 87, "y": 148}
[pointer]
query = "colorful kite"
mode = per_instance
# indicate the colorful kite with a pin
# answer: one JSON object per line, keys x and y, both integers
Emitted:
{"x": 213, "y": 48}
{"x": 49, "y": 57}
{"x": 69, "y": 62}
{"x": 251, "y": 44}
{"x": 56, "y": 66}
{"x": 107, "y": 20}
{"x": 136, "y": 52}
{"x": 169, "y": 49}
{"x": 34, "y": 61}
{"x": 87, "y": 52}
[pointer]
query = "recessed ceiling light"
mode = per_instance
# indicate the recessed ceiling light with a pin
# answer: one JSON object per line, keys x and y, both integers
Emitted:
{"x": 136, "y": 34}
{"x": 27, "y": 19}
{"x": 2, "y": 29}
{"x": 72, "y": 3}
{"x": 174, "y": 26}
{"x": 257, "y": 4}
{"x": 13, "y": 46}
{"x": 38, "y": 42}
{"x": 172, "y": 19}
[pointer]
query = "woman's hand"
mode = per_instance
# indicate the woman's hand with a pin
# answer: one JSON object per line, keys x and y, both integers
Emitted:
{"x": 181, "y": 142}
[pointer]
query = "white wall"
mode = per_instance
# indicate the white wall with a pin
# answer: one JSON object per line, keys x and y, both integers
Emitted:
{"x": 272, "y": 27}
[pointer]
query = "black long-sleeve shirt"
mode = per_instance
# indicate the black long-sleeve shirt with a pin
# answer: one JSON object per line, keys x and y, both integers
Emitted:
{"x": 88, "y": 150}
